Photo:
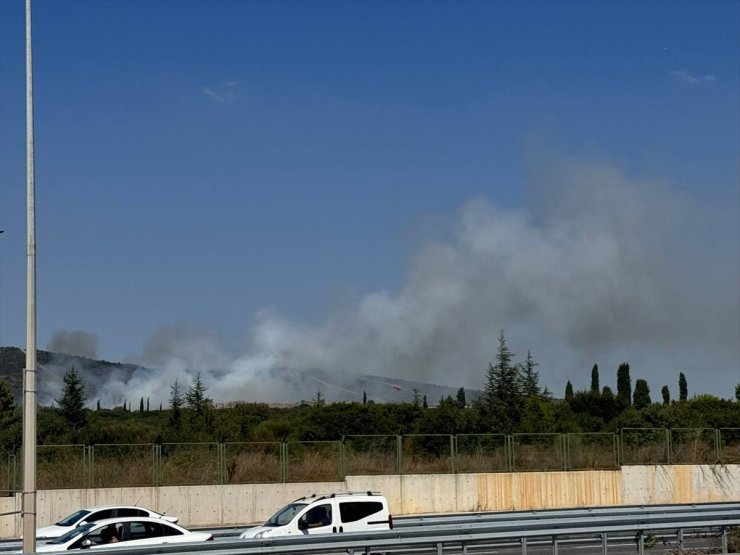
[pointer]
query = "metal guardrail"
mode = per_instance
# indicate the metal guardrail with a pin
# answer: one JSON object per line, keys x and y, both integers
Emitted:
{"x": 472, "y": 530}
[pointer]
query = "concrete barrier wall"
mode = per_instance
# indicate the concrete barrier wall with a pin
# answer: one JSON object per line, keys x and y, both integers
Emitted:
{"x": 239, "y": 504}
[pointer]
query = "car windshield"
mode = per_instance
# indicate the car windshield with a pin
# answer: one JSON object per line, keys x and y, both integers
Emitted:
{"x": 75, "y": 532}
{"x": 285, "y": 515}
{"x": 73, "y": 518}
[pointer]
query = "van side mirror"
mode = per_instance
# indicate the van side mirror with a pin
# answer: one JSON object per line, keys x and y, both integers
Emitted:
{"x": 86, "y": 543}
{"x": 303, "y": 524}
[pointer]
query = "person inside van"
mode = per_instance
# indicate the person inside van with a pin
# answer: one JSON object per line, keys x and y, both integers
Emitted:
{"x": 318, "y": 516}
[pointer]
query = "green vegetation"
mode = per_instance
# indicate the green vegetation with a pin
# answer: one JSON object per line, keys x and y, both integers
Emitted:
{"x": 514, "y": 425}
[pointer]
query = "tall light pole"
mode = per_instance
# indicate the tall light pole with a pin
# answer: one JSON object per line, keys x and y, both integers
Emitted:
{"x": 28, "y": 509}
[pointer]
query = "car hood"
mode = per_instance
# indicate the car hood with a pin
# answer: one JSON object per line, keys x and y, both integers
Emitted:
{"x": 52, "y": 531}
{"x": 252, "y": 532}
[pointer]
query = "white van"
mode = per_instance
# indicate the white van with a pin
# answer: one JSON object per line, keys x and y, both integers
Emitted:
{"x": 327, "y": 514}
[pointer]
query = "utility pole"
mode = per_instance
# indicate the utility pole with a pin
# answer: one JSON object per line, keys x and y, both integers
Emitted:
{"x": 28, "y": 508}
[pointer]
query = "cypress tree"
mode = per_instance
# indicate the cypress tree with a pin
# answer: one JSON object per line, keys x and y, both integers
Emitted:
{"x": 642, "y": 394}
{"x": 666, "y": 395}
{"x": 683, "y": 388}
{"x": 595, "y": 379}
{"x": 624, "y": 384}
{"x": 568, "y": 391}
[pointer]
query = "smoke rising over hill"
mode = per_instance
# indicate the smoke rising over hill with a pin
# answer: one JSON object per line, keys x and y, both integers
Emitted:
{"x": 601, "y": 268}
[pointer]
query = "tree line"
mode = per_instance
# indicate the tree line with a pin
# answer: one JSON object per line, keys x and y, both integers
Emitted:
{"x": 512, "y": 401}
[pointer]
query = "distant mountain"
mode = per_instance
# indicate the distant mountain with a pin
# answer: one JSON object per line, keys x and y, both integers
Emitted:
{"x": 101, "y": 377}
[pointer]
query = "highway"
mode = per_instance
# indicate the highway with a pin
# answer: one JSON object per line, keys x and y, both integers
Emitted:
{"x": 613, "y": 530}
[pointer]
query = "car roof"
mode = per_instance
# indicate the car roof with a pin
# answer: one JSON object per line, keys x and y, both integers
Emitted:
{"x": 121, "y": 519}
{"x": 101, "y": 507}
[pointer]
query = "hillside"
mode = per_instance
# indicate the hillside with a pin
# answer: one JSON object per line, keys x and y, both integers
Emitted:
{"x": 101, "y": 377}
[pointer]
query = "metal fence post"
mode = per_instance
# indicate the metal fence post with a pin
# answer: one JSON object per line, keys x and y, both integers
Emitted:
{"x": 399, "y": 455}
{"x": 510, "y": 452}
{"x": 90, "y": 478}
{"x": 343, "y": 459}
{"x": 604, "y": 543}
{"x": 284, "y": 461}
{"x": 453, "y": 463}
{"x": 717, "y": 450}
{"x": 724, "y": 539}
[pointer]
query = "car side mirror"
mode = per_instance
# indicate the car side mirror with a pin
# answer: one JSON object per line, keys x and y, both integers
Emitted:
{"x": 81, "y": 523}
{"x": 86, "y": 543}
{"x": 303, "y": 525}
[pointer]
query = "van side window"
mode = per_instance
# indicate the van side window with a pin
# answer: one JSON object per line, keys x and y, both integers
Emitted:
{"x": 352, "y": 511}
{"x": 318, "y": 516}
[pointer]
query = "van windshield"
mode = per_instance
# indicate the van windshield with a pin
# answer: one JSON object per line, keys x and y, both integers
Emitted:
{"x": 285, "y": 515}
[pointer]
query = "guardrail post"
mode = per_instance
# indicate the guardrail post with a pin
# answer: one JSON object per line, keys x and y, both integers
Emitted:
{"x": 724, "y": 539}
{"x": 640, "y": 542}
{"x": 439, "y": 549}
{"x": 679, "y": 535}
{"x": 524, "y": 546}
{"x": 604, "y": 543}
{"x": 554, "y": 545}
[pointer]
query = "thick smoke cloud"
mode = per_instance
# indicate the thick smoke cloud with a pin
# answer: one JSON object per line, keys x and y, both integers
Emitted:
{"x": 600, "y": 268}
{"x": 76, "y": 343}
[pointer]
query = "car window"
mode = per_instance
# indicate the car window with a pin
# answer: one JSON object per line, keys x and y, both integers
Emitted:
{"x": 99, "y": 515}
{"x": 72, "y": 519}
{"x": 316, "y": 517}
{"x": 141, "y": 530}
{"x": 125, "y": 511}
{"x": 285, "y": 515}
{"x": 168, "y": 530}
{"x": 352, "y": 511}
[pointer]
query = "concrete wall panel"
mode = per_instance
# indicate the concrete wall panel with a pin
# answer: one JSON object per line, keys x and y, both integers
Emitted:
{"x": 235, "y": 504}
{"x": 657, "y": 484}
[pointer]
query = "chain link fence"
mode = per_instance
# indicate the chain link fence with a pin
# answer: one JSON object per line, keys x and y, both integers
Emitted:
{"x": 170, "y": 464}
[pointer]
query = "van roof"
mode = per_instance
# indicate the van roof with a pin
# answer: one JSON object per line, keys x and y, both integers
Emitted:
{"x": 317, "y": 496}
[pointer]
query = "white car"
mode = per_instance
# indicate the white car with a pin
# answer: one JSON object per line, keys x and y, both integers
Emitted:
{"x": 94, "y": 514}
{"x": 327, "y": 514}
{"x": 122, "y": 532}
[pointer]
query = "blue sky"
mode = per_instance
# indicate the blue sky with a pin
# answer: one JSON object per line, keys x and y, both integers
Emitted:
{"x": 256, "y": 174}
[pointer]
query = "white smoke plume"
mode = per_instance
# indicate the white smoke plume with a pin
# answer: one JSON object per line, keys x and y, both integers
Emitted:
{"x": 600, "y": 268}
{"x": 76, "y": 343}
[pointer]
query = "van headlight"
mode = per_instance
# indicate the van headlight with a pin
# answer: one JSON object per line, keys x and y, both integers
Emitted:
{"x": 262, "y": 534}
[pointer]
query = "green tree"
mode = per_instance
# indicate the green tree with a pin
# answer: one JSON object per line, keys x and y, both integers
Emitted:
{"x": 642, "y": 394}
{"x": 595, "y": 379}
{"x": 461, "y": 402}
{"x": 72, "y": 403}
{"x": 502, "y": 397}
{"x": 176, "y": 405}
{"x": 666, "y": 395}
{"x": 10, "y": 421}
{"x": 318, "y": 399}
{"x": 195, "y": 398}
{"x": 416, "y": 400}
{"x": 364, "y": 397}
{"x": 624, "y": 384}
{"x": 737, "y": 392}
{"x": 568, "y": 391}
{"x": 683, "y": 388}
{"x": 530, "y": 386}
{"x": 141, "y": 405}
